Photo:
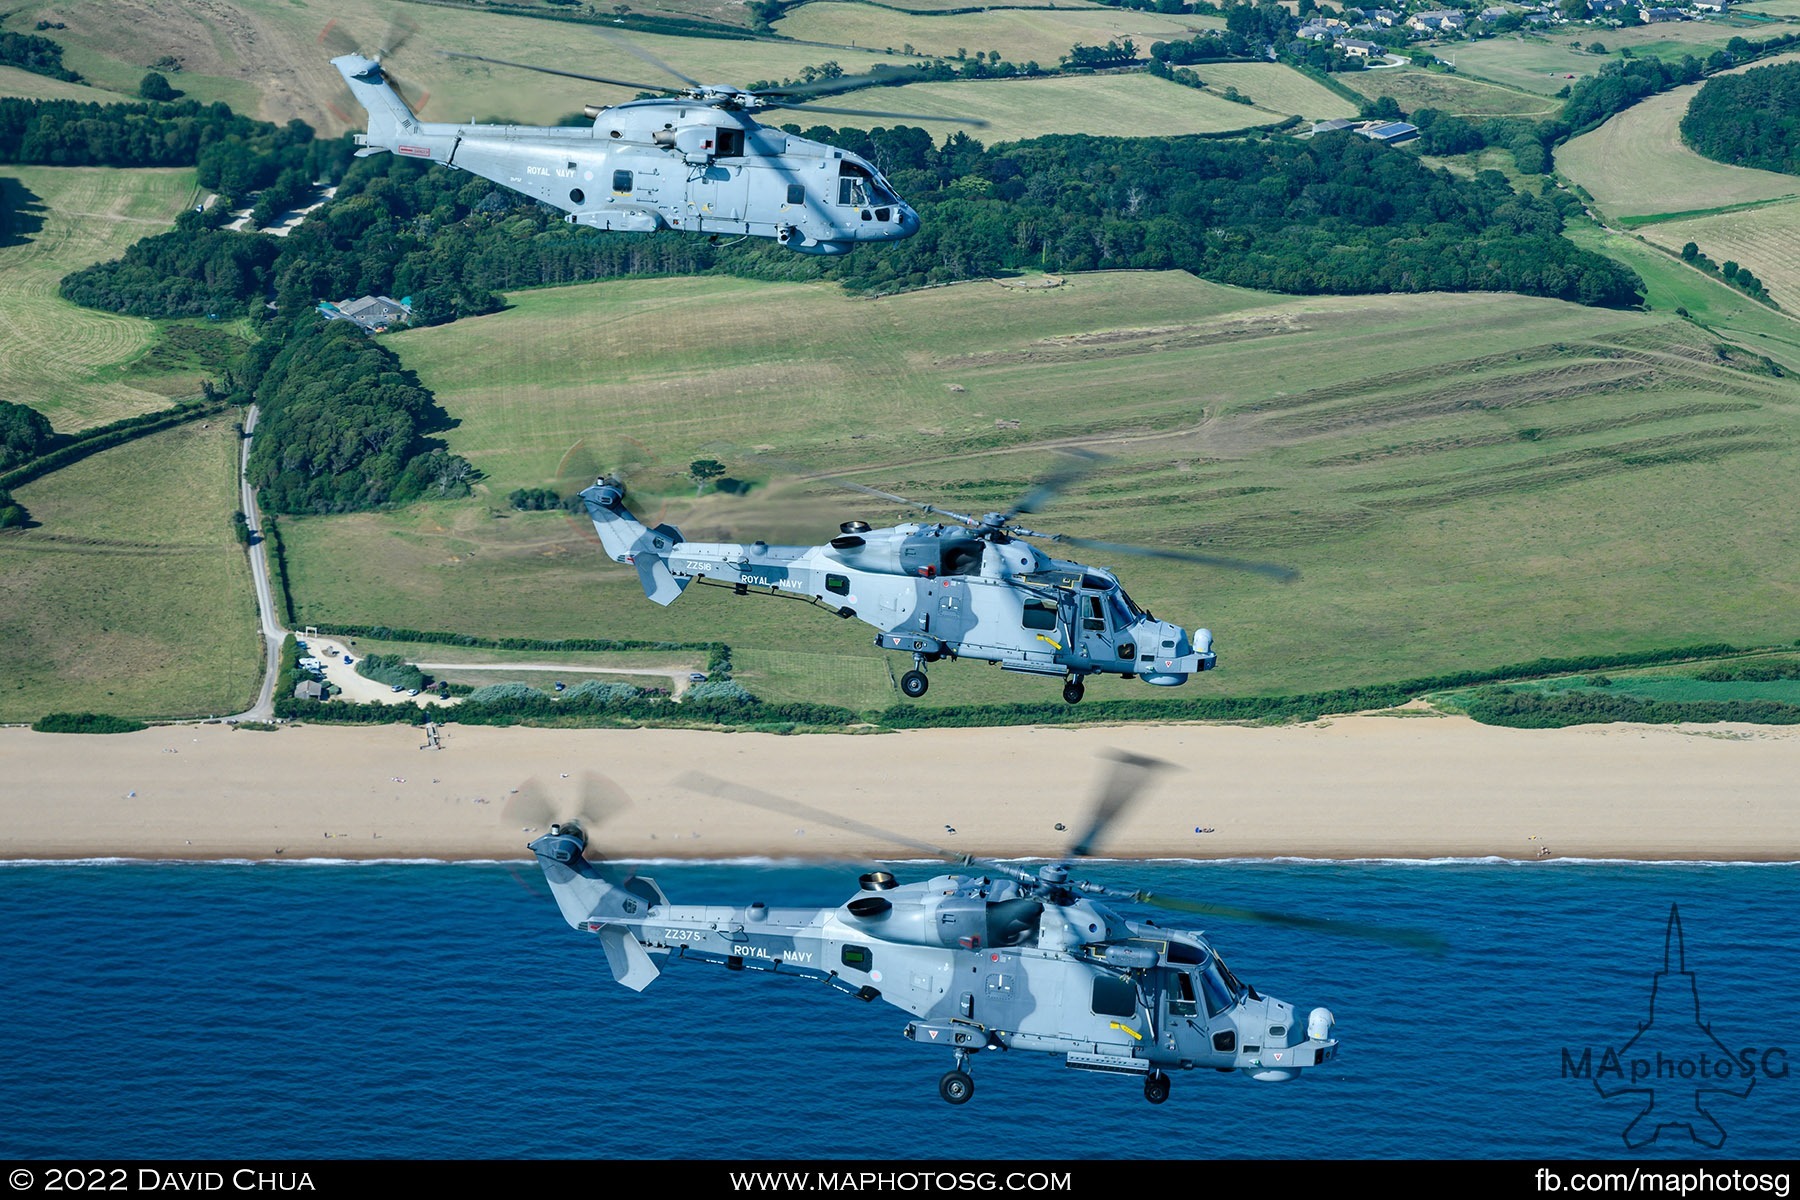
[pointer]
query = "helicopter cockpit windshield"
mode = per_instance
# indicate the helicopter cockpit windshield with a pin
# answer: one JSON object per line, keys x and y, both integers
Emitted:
{"x": 859, "y": 187}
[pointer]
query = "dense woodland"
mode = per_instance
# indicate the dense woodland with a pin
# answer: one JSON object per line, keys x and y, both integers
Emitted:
{"x": 342, "y": 427}
{"x": 1749, "y": 120}
{"x": 39, "y": 55}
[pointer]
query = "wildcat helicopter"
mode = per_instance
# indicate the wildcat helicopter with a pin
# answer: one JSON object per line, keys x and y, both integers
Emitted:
{"x": 693, "y": 160}
{"x": 992, "y": 957}
{"x": 969, "y": 589}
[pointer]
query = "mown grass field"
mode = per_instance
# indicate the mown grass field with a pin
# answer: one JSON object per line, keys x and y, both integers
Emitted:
{"x": 1455, "y": 94}
{"x": 1278, "y": 88}
{"x": 1041, "y": 35}
{"x": 69, "y": 362}
{"x": 1104, "y": 105}
{"x": 1636, "y": 164}
{"x": 1463, "y": 481}
{"x": 1543, "y": 62}
{"x": 1673, "y": 285}
{"x": 131, "y": 596}
{"x": 16, "y": 82}
{"x": 1766, "y": 239}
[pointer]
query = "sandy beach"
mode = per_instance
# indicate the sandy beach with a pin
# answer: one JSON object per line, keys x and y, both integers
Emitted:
{"x": 1371, "y": 786}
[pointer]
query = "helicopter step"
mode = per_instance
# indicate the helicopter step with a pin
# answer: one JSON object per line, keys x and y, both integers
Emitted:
{"x": 1027, "y": 667}
{"x": 1113, "y": 1064}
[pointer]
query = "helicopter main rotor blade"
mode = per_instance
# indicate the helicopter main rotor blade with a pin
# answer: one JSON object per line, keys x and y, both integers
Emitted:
{"x": 632, "y": 48}
{"x": 501, "y": 62}
{"x": 1124, "y": 783}
{"x": 699, "y": 781}
{"x": 802, "y": 106}
{"x": 1048, "y": 488}
{"x": 930, "y": 508}
{"x": 1411, "y": 939}
{"x": 1272, "y": 570}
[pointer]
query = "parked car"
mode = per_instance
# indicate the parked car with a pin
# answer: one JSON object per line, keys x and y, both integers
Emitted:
{"x": 697, "y": 677}
{"x": 348, "y": 660}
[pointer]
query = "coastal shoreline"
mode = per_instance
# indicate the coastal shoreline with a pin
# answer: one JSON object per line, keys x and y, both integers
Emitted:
{"x": 1395, "y": 786}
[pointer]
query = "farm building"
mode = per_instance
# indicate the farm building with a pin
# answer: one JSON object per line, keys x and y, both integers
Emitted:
{"x": 1388, "y": 131}
{"x": 309, "y": 689}
{"x": 373, "y": 313}
{"x": 1357, "y": 48}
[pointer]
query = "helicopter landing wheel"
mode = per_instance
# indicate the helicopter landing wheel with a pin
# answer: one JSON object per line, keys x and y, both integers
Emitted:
{"x": 1073, "y": 691}
{"x": 914, "y": 684}
{"x": 1156, "y": 1087}
{"x": 956, "y": 1087}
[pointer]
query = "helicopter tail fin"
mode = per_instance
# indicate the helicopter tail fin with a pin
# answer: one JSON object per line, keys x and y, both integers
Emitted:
{"x": 627, "y": 540}
{"x": 392, "y": 124}
{"x": 601, "y": 899}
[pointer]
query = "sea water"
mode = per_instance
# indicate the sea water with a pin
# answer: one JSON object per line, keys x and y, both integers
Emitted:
{"x": 445, "y": 1011}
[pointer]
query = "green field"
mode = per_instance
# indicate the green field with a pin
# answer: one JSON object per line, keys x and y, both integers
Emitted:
{"x": 72, "y": 363}
{"x": 1765, "y": 239}
{"x": 1545, "y": 63}
{"x": 1041, "y": 35}
{"x": 1103, "y": 105}
{"x": 131, "y": 596}
{"x": 1636, "y": 164}
{"x": 1463, "y": 481}
{"x": 1672, "y": 285}
{"x": 15, "y": 82}
{"x": 1277, "y": 88}
{"x": 1455, "y": 94}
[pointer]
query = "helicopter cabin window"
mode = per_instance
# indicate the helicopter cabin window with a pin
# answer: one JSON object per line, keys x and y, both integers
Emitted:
{"x": 858, "y": 958}
{"x": 1040, "y": 614}
{"x": 1114, "y": 996}
{"x": 962, "y": 558}
{"x": 730, "y": 143}
{"x": 796, "y": 193}
{"x": 622, "y": 182}
{"x": 838, "y": 585}
{"x": 1096, "y": 615}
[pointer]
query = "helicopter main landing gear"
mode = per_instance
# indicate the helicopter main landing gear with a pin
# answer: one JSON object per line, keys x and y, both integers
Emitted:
{"x": 1074, "y": 689}
{"x": 1156, "y": 1087}
{"x": 957, "y": 1085}
{"x": 913, "y": 683}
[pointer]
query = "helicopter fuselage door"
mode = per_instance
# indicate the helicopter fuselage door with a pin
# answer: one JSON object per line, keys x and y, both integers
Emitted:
{"x": 718, "y": 194}
{"x": 1093, "y": 633}
{"x": 948, "y": 601}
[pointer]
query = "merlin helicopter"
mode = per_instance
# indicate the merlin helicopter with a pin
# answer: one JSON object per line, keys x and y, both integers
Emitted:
{"x": 693, "y": 160}
{"x": 972, "y": 588}
{"x": 989, "y": 957}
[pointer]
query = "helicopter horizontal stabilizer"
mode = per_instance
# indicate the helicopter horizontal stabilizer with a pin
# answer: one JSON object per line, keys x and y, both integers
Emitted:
{"x": 659, "y": 582}
{"x": 626, "y": 956}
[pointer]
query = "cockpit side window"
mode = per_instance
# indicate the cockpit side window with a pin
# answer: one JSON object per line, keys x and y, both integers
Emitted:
{"x": 1095, "y": 617}
{"x": 1212, "y": 987}
{"x": 858, "y": 186}
{"x": 1181, "y": 994}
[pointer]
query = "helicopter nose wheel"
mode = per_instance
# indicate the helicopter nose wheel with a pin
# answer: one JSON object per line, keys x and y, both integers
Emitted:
{"x": 914, "y": 684}
{"x": 1156, "y": 1087}
{"x": 956, "y": 1087}
{"x": 1073, "y": 690}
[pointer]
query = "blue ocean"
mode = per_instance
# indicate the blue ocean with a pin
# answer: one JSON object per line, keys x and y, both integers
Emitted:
{"x": 444, "y": 1011}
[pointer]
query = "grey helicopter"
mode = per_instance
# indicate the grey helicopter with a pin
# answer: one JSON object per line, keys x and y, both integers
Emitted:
{"x": 972, "y": 589}
{"x": 693, "y": 160}
{"x": 990, "y": 957}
